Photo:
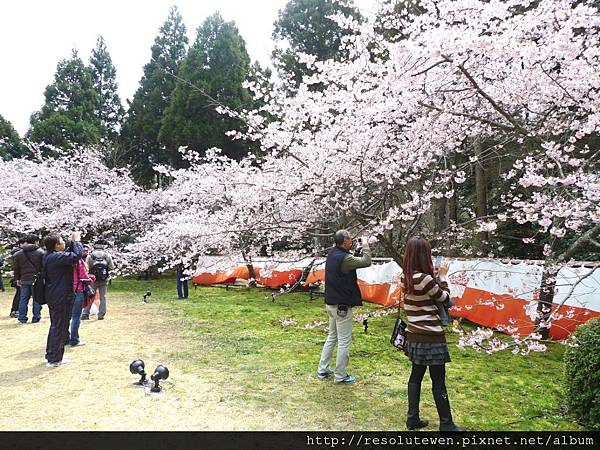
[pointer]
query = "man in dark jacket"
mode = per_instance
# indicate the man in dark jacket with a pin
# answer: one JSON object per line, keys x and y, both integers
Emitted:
{"x": 28, "y": 264}
{"x": 341, "y": 294}
{"x": 14, "y": 310}
{"x": 59, "y": 293}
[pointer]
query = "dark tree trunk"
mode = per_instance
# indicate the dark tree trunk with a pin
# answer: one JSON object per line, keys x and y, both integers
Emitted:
{"x": 440, "y": 217}
{"x": 481, "y": 193}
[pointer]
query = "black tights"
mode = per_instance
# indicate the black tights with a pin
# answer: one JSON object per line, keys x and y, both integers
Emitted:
{"x": 437, "y": 374}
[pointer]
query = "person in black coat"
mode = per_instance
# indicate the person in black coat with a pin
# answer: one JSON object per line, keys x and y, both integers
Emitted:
{"x": 27, "y": 266}
{"x": 14, "y": 310}
{"x": 58, "y": 265}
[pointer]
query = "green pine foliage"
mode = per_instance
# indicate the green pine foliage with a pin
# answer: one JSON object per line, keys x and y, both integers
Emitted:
{"x": 140, "y": 131}
{"x": 211, "y": 75}
{"x": 582, "y": 375}
{"x": 10, "y": 142}
{"x": 68, "y": 116}
{"x": 110, "y": 110}
{"x": 305, "y": 27}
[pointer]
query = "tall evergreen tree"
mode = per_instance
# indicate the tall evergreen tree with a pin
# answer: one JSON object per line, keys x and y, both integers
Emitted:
{"x": 304, "y": 26}
{"x": 211, "y": 74}
{"x": 142, "y": 124}
{"x": 68, "y": 116}
{"x": 110, "y": 110}
{"x": 10, "y": 142}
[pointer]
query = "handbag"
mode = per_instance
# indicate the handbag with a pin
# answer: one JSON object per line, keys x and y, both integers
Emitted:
{"x": 89, "y": 290}
{"x": 398, "y": 339}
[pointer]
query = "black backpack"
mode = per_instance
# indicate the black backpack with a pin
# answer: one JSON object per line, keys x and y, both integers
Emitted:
{"x": 99, "y": 268}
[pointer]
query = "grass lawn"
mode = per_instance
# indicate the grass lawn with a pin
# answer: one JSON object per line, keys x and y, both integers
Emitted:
{"x": 272, "y": 368}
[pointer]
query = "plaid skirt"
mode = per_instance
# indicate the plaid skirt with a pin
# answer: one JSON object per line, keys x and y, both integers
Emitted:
{"x": 427, "y": 353}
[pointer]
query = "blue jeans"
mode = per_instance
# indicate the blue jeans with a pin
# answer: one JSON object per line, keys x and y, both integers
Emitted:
{"x": 23, "y": 301}
{"x": 76, "y": 318}
{"x": 182, "y": 285}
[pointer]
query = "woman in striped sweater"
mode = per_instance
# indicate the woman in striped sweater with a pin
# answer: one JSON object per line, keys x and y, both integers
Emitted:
{"x": 426, "y": 344}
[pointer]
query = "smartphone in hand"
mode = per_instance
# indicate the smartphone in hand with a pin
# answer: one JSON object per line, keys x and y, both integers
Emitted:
{"x": 437, "y": 262}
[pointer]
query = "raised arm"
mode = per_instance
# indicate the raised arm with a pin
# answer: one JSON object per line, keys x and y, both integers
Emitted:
{"x": 437, "y": 291}
{"x": 351, "y": 262}
{"x": 69, "y": 258}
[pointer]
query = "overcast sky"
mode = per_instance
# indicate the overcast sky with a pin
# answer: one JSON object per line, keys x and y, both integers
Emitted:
{"x": 35, "y": 35}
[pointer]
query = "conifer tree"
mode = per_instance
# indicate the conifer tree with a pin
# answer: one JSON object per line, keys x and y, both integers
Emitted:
{"x": 211, "y": 75}
{"x": 142, "y": 124}
{"x": 10, "y": 142}
{"x": 68, "y": 116}
{"x": 110, "y": 110}
{"x": 304, "y": 26}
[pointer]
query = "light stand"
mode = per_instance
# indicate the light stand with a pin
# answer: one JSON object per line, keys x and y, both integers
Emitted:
{"x": 146, "y": 295}
{"x": 137, "y": 368}
{"x": 160, "y": 373}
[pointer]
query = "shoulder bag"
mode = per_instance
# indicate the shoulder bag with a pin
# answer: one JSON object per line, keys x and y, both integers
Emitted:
{"x": 398, "y": 339}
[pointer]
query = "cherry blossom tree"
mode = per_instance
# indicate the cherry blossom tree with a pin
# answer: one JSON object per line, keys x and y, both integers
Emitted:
{"x": 376, "y": 148}
{"x": 393, "y": 130}
{"x": 75, "y": 191}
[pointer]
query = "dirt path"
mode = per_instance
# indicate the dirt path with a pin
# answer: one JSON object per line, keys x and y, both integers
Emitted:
{"x": 93, "y": 392}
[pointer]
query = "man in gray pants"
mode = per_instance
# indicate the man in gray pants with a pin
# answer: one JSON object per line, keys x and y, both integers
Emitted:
{"x": 100, "y": 263}
{"x": 341, "y": 294}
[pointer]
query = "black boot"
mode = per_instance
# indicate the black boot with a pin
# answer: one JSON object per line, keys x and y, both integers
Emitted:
{"x": 412, "y": 418}
{"x": 443, "y": 407}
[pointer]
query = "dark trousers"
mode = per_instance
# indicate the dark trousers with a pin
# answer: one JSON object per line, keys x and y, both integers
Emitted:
{"x": 60, "y": 316}
{"x": 437, "y": 374}
{"x": 182, "y": 285}
{"x": 16, "y": 299}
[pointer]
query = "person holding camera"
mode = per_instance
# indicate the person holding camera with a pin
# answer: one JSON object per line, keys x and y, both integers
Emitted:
{"x": 59, "y": 293}
{"x": 341, "y": 294}
{"x": 426, "y": 342}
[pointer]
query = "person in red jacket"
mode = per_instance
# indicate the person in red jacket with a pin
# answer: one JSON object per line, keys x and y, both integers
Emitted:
{"x": 80, "y": 277}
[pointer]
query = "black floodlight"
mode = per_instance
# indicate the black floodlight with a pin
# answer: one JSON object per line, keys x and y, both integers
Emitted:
{"x": 137, "y": 368}
{"x": 146, "y": 295}
{"x": 160, "y": 373}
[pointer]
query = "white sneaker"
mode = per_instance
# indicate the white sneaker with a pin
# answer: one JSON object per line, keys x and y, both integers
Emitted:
{"x": 64, "y": 361}
{"x": 79, "y": 344}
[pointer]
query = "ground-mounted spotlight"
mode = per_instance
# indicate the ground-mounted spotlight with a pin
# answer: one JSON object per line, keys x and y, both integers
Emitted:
{"x": 146, "y": 295}
{"x": 160, "y": 373}
{"x": 137, "y": 368}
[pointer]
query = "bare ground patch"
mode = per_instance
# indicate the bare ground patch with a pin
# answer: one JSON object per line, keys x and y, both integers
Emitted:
{"x": 93, "y": 392}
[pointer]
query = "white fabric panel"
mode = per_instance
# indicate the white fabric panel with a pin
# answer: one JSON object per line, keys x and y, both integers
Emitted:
{"x": 518, "y": 280}
{"x": 380, "y": 273}
{"x": 586, "y": 293}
